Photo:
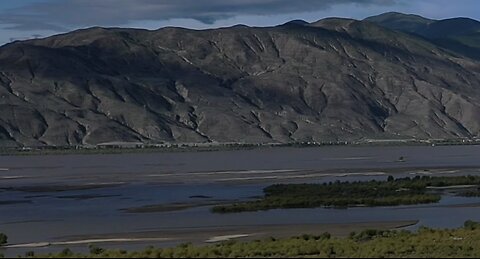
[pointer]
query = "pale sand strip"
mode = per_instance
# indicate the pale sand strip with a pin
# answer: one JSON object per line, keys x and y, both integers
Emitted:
{"x": 226, "y": 238}
{"x": 29, "y": 245}
{"x": 434, "y": 172}
{"x": 275, "y": 177}
{"x": 86, "y": 241}
{"x": 12, "y": 177}
{"x": 110, "y": 240}
{"x": 348, "y": 158}
{"x": 218, "y": 234}
{"x": 225, "y": 172}
{"x": 451, "y": 187}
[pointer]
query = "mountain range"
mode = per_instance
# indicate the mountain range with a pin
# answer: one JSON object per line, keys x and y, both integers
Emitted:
{"x": 390, "y": 76}
{"x": 461, "y": 35}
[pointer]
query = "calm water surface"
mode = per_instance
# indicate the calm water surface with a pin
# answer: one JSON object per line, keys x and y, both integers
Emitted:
{"x": 163, "y": 178}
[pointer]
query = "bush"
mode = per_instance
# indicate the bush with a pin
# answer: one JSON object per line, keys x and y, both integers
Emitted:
{"x": 471, "y": 225}
{"x": 426, "y": 243}
{"x": 352, "y": 235}
{"x": 324, "y": 236}
{"x": 66, "y": 253}
{"x": 95, "y": 250}
{"x": 3, "y": 239}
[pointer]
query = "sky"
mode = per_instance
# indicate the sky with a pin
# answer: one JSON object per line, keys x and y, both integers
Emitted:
{"x": 25, "y": 19}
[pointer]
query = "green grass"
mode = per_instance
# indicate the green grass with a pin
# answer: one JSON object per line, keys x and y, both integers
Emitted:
{"x": 405, "y": 191}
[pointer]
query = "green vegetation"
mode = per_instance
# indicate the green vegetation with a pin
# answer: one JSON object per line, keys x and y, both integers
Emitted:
{"x": 3, "y": 239}
{"x": 94, "y": 250}
{"x": 462, "y": 242}
{"x": 404, "y": 191}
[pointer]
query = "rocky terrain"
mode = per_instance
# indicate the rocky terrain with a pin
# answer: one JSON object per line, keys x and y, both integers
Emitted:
{"x": 335, "y": 79}
{"x": 461, "y": 35}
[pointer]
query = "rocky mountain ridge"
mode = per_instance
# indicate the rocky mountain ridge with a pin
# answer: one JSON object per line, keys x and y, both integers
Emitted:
{"x": 331, "y": 80}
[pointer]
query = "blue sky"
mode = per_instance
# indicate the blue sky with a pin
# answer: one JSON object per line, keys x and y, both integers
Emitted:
{"x": 22, "y": 19}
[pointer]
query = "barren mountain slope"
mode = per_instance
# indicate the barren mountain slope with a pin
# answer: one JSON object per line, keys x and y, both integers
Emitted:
{"x": 335, "y": 79}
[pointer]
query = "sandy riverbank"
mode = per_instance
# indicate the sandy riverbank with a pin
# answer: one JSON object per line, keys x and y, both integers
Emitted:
{"x": 215, "y": 234}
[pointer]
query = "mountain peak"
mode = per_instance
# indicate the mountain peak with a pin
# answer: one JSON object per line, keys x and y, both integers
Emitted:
{"x": 295, "y": 23}
{"x": 398, "y": 15}
{"x": 333, "y": 23}
{"x": 400, "y": 21}
{"x": 413, "y": 23}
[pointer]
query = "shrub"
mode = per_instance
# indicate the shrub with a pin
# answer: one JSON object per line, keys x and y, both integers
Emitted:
{"x": 324, "y": 236}
{"x": 3, "y": 239}
{"x": 95, "y": 250}
{"x": 66, "y": 253}
{"x": 471, "y": 225}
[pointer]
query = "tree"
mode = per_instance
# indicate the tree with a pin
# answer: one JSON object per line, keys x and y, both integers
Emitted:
{"x": 3, "y": 239}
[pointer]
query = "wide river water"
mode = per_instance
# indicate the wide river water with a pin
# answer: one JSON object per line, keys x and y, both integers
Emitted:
{"x": 61, "y": 198}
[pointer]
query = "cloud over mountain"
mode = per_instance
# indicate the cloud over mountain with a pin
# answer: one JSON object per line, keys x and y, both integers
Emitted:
{"x": 58, "y": 15}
